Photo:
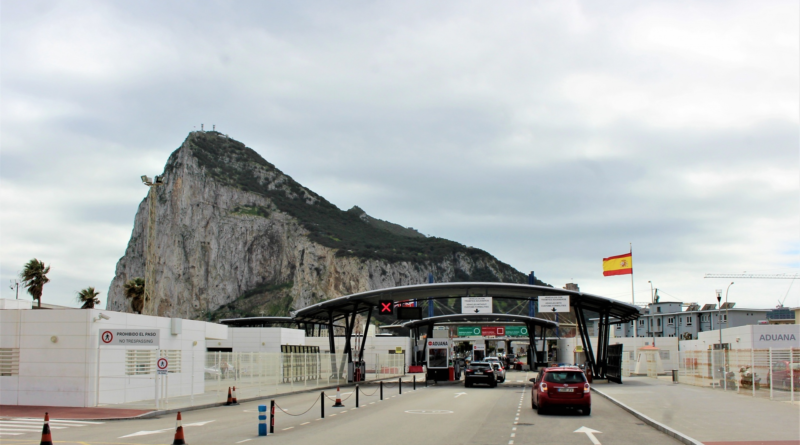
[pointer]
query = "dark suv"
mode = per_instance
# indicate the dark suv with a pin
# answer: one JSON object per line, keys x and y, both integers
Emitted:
{"x": 480, "y": 372}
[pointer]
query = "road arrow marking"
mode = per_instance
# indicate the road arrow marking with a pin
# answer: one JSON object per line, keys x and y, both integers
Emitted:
{"x": 589, "y": 432}
{"x": 458, "y": 394}
{"x": 144, "y": 433}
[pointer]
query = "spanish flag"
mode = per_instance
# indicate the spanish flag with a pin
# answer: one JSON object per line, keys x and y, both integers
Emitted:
{"x": 618, "y": 265}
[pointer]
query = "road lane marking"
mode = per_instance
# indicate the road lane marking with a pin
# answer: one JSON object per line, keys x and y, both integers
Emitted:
{"x": 459, "y": 394}
{"x": 243, "y": 441}
{"x": 145, "y": 433}
{"x": 288, "y": 428}
{"x": 304, "y": 423}
{"x": 589, "y": 433}
{"x": 513, "y": 434}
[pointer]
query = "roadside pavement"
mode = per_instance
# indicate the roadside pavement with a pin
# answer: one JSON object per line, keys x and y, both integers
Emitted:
{"x": 709, "y": 416}
{"x": 68, "y": 412}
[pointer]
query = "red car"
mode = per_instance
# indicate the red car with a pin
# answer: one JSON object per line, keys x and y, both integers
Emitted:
{"x": 561, "y": 387}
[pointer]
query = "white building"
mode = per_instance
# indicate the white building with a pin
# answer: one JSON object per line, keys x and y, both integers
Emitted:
{"x": 54, "y": 357}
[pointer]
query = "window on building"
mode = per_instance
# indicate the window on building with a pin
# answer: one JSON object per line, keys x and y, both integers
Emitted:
{"x": 724, "y": 318}
{"x": 680, "y": 321}
{"x": 641, "y": 322}
{"x": 658, "y": 309}
{"x": 140, "y": 361}
{"x": 664, "y": 353}
{"x": 670, "y": 321}
{"x": 658, "y": 322}
{"x": 619, "y": 326}
{"x": 688, "y": 321}
{"x": 9, "y": 361}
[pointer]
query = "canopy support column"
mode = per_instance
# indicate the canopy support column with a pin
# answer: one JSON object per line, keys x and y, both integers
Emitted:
{"x": 332, "y": 344}
{"x": 364, "y": 339}
{"x": 587, "y": 344}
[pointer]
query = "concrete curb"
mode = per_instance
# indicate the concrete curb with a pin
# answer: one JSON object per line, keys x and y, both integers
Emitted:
{"x": 657, "y": 425}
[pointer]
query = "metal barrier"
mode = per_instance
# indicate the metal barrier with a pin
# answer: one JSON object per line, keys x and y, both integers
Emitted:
{"x": 769, "y": 373}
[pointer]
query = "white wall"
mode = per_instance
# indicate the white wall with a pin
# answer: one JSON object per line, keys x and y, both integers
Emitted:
{"x": 380, "y": 345}
{"x": 259, "y": 339}
{"x": 59, "y": 351}
{"x": 748, "y": 337}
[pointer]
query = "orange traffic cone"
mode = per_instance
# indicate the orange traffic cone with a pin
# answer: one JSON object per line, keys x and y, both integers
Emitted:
{"x": 47, "y": 439}
{"x": 235, "y": 402}
{"x": 230, "y": 398}
{"x": 179, "y": 440}
{"x": 338, "y": 403}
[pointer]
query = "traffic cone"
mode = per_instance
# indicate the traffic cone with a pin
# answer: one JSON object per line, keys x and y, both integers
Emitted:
{"x": 338, "y": 403}
{"x": 47, "y": 439}
{"x": 230, "y": 398}
{"x": 235, "y": 402}
{"x": 179, "y": 440}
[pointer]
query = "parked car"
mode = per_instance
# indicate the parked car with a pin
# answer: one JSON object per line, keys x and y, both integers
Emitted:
{"x": 501, "y": 377}
{"x": 783, "y": 373}
{"x": 563, "y": 387}
{"x": 481, "y": 373}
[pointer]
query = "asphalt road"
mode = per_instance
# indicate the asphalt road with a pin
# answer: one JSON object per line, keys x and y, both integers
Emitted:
{"x": 447, "y": 414}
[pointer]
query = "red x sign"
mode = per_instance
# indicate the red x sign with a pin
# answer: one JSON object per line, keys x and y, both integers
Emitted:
{"x": 386, "y": 307}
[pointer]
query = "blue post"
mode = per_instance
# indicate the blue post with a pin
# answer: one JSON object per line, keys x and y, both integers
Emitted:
{"x": 262, "y": 420}
{"x": 430, "y": 302}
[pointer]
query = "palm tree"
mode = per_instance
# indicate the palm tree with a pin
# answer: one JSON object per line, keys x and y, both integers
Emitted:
{"x": 88, "y": 297}
{"x": 34, "y": 277}
{"x": 134, "y": 290}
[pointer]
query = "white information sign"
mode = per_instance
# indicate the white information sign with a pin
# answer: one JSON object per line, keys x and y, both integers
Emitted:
{"x": 478, "y": 347}
{"x": 554, "y": 303}
{"x": 162, "y": 366}
{"x": 476, "y": 305}
{"x": 129, "y": 337}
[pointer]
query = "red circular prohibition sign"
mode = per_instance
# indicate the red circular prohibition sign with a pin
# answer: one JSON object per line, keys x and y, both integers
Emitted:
{"x": 107, "y": 337}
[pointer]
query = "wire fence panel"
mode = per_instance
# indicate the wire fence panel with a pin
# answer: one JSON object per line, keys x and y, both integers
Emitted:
{"x": 207, "y": 377}
{"x": 766, "y": 373}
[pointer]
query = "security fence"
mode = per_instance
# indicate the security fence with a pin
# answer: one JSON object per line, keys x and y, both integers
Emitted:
{"x": 202, "y": 378}
{"x": 769, "y": 373}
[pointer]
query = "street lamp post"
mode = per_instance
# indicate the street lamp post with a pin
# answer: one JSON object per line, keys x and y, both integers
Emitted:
{"x": 652, "y": 300}
{"x": 727, "y": 317}
{"x": 722, "y": 353}
{"x": 150, "y": 304}
{"x": 15, "y": 287}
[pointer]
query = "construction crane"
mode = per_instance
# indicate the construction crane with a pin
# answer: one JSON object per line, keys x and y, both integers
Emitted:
{"x": 752, "y": 275}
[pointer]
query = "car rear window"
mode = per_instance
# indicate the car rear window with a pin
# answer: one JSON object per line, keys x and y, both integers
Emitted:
{"x": 478, "y": 366}
{"x": 564, "y": 377}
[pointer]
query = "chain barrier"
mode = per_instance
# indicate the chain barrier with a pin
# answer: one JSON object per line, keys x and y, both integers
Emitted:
{"x": 343, "y": 398}
{"x": 369, "y": 395}
{"x": 288, "y": 413}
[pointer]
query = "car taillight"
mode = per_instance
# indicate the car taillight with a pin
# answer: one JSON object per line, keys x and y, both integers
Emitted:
{"x": 544, "y": 387}
{"x": 469, "y": 371}
{"x": 488, "y": 371}
{"x": 586, "y": 387}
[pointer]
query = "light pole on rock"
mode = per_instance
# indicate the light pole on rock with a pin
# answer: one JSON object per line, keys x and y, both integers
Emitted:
{"x": 150, "y": 303}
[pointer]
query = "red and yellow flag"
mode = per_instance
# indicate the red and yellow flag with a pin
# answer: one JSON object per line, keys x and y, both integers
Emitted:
{"x": 618, "y": 265}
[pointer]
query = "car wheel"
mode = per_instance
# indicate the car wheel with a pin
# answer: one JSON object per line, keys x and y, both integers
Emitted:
{"x": 533, "y": 405}
{"x": 587, "y": 411}
{"x": 494, "y": 384}
{"x": 540, "y": 410}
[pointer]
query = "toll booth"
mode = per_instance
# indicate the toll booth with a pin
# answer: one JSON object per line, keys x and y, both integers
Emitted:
{"x": 439, "y": 359}
{"x": 478, "y": 352}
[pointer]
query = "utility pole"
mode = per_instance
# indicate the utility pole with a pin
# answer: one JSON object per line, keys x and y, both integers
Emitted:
{"x": 150, "y": 303}
{"x": 15, "y": 286}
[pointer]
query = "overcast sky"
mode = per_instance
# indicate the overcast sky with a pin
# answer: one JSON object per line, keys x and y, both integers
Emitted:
{"x": 548, "y": 133}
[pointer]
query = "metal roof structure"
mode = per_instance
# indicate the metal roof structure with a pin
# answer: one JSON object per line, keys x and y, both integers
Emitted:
{"x": 482, "y": 318}
{"x": 362, "y": 302}
{"x": 263, "y": 322}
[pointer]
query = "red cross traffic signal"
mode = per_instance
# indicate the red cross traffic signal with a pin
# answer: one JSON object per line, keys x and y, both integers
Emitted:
{"x": 386, "y": 307}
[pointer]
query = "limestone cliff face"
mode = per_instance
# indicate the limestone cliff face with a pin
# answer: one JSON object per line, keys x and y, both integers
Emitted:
{"x": 237, "y": 237}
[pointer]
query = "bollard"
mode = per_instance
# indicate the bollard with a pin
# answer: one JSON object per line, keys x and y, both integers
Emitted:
{"x": 400, "y": 384}
{"x": 262, "y": 420}
{"x": 381, "y": 389}
{"x": 272, "y": 416}
{"x": 356, "y": 395}
{"x": 415, "y": 383}
{"x": 322, "y": 403}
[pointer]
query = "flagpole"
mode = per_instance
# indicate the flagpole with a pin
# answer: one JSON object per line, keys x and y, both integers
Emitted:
{"x": 633, "y": 300}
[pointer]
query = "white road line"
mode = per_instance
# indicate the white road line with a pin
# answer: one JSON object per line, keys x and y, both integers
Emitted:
{"x": 318, "y": 419}
{"x": 10, "y": 434}
{"x": 514, "y": 429}
{"x": 243, "y": 441}
{"x": 513, "y": 434}
{"x": 18, "y": 430}
{"x": 333, "y": 415}
{"x": 304, "y": 423}
{"x": 371, "y": 403}
{"x": 288, "y": 428}
{"x": 510, "y": 442}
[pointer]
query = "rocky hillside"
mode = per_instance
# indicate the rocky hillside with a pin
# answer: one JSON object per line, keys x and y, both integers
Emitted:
{"x": 238, "y": 237}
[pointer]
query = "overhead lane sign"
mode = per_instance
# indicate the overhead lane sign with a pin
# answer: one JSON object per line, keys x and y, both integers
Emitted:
{"x": 554, "y": 303}
{"x": 129, "y": 337}
{"x": 476, "y": 305}
{"x": 469, "y": 331}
